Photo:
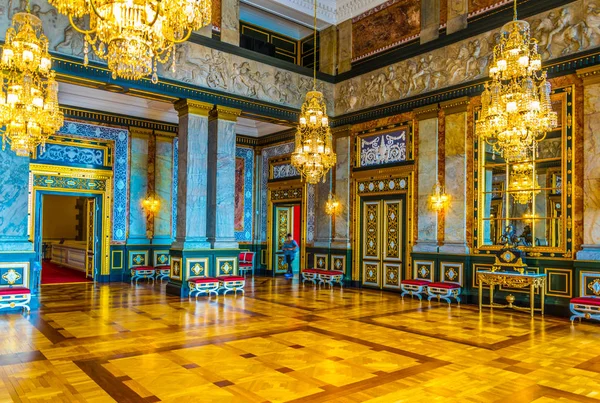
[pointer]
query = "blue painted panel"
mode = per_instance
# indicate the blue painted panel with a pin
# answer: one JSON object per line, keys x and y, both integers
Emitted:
{"x": 386, "y": 148}
{"x": 245, "y": 235}
{"x": 138, "y": 187}
{"x": 164, "y": 187}
{"x": 14, "y": 189}
{"x": 68, "y": 154}
{"x": 120, "y": 168}
{"x": 175, "y": 185}
{"x": 13, "y": 276}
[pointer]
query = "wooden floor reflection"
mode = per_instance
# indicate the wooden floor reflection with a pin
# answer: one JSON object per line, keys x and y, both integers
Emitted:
{"x": 286, "y": 342}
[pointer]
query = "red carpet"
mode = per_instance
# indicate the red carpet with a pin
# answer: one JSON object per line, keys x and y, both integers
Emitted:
{"x": 55, "y": 274}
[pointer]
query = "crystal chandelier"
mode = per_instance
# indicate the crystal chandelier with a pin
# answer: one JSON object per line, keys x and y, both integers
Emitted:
{"x": 516, "y": 112}
{"x": 523, "y": 184}
{"x": 438, "y": 199}
{"x": 133, "y": 35}
{"x": 313, "y": 155}
{"x": 29, "y": 109}
{"x": 332, "y": 205}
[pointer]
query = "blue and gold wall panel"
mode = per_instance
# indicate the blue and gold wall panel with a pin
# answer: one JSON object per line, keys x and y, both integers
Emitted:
{"x": 589, "y": 284}
{"x": 452, "y": 272}
{"x": 226, "y": 266}
{"x": 559, "y": 282}
{"x": 138, "y": 258}
{"x": 197, "y": 267}
{"x": 14, "y": 274}
{"x": 161, "y": 257}
{"x": 424, "y": 269}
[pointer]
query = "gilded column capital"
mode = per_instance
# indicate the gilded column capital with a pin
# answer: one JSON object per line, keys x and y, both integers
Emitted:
{"x": 341, "y": 131}
{"x": 426, "y": 112}
{"x": 455, "y": 105}
{"x": 191, "y": 107}
{"x": 589, "y": 75}
{"x": 225, "y": 113}
{"x": 140, "y": 132}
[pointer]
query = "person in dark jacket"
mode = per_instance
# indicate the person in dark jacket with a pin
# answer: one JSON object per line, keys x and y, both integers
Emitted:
{"x": 290, "y": 249}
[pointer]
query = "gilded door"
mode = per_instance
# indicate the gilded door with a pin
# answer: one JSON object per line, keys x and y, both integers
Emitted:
{"x": 284, "y": 223}
{"x": 381, "y": 243}
{"x": 90, "y": 256}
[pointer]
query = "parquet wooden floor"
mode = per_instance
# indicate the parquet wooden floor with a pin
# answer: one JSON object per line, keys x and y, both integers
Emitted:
{"x": 286, "y": 342}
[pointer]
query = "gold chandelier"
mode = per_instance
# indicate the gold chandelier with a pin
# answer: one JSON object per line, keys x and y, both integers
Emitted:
{"x": 133, "y": 35}
{"x": 332, "y": 205}
{"x": 523, "y": 184}
{"x": 29, "y": 108}
{"x": 313, "y": 155}
{"x": 516, "y": 112}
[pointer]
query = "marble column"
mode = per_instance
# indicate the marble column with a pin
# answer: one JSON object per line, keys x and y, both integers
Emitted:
{"x": 455, "y": 226}
{"x": 221, "y": 177}
{"x": 138, "y": 172}
{"x": 328, "y": 50}
{"x": 163, "y": 187}
{"x": 14, "y": 203}
{"x": 430, "y": 20}
{"x": 591, "y": 164}
{"x": 458, "y": 11}
{"x": 322, "y": 220}
{"x": 192, "y": 175}
{"x": 344, "y": 57}
{"x": 230, "y": 21}
{"x": 342, "y": 223}
{"x": 427, "y": 166}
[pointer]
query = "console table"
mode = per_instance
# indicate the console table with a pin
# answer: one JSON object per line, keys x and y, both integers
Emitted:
{"x": 514, "y": 280}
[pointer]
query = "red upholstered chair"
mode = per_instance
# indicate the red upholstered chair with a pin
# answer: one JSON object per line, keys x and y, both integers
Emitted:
{"x": 246, "y": 263}
{"x": 414, "y": 287}
{"x": 203, "y": 285}
{"x": 585, "y": 307}
{"x": 444, "y": 290}
{"x": 140, "y": 272}
{"x": 12, "y": 297}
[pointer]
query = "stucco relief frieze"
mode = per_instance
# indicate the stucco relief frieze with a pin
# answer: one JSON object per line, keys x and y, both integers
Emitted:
{"x": 195, "y": 64}
{"x": 561, "y": 31}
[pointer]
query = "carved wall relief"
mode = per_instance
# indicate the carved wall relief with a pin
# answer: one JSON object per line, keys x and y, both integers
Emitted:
{"x": 561, "y": 31}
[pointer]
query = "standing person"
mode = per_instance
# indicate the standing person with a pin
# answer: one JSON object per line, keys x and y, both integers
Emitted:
{"x": 290, "y": 248}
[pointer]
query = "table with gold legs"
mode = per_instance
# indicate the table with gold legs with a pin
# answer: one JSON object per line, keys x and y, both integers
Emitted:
{"x": 513, "y": 280}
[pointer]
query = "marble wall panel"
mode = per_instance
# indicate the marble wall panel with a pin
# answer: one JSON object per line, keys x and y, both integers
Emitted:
{"x": 561, "y": 31}
{"x": 14, "y": 198}
{"x": 430, "y": 20}
{"x": 427, "y": 176}
{"x": 591, "y": 173}
{"x": 138, "y": 187}
{"x": 163, "y": 186}
{"x": 322, "y": 220}
{"x": 455, "y": 180}
{"x": 342, "y": 191}
{"x": 328, "y": 50}
{"x": 456, "y": 14}
{"x": 344, "y": 57}
{"x": 476, "y": 7}
{"x": 230, "y": 21}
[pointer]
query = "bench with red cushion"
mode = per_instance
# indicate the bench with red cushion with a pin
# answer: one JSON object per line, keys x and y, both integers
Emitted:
{"x": 444, "y": 290}
{"x": 414, "y": 287}
{"x": 139, "y": 272}
{"x": 232, "y": 283}
{"x": 310, "y": 275}
{"x": 162, "y": 272}
{"x": 330, "y": 277}
{"x": 203, "y": 285}
{"x": 585, "y": 307}
{"x": 12, "y": 297}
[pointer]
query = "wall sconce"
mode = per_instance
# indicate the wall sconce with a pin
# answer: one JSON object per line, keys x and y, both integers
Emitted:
{"x": 332, "y": 205}
{"x": 151, "y": 205}
{"x": 439, "y": 200}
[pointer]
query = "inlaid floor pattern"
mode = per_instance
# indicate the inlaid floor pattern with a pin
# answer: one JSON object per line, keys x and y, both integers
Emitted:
{"x": 286, "y": 342}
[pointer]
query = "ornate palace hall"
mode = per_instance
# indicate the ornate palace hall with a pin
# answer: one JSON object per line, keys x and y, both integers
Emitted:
{"x": 300, "y": 200}
{"x": 286, "y": 342}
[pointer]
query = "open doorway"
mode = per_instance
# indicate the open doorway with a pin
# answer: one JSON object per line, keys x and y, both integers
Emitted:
{"x": 288, "y": 220}
{"x": 68, "y": 238}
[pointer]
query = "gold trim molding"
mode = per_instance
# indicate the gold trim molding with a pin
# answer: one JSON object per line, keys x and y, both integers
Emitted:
{"x": 455, "y": 105}
{"x": 187, "y": 106}
{"x": 589, "y": 75}
{"x": 225, "y": 113}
